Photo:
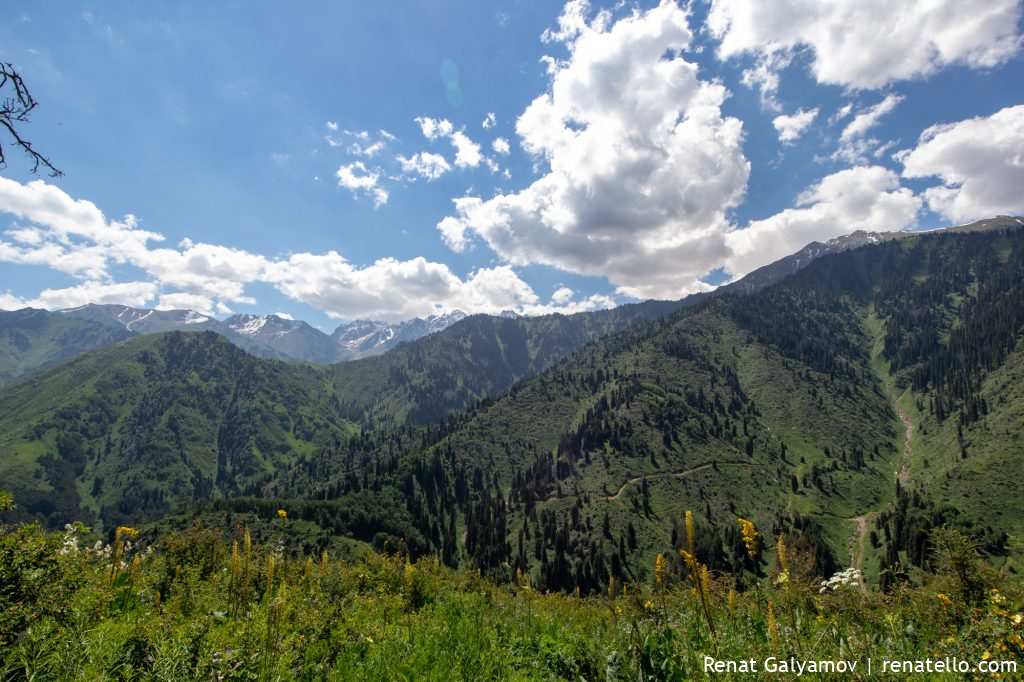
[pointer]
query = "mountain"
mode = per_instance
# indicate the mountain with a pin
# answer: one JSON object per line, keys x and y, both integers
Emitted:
{"x": 855, "y": 405}
{"x": 478, "y": 357}
{"x": 144, "y": 320}
{"x": 132, "y": 430}
{"x": 774, "y": 272}
{"x": 293, "y": 339}
{"x": 876, "y": 389}
{"x": 296, "y": 341}
{"x": 31, "y": 340}
{"x": 149, "y": 321}
{"x": 363, "y": 338}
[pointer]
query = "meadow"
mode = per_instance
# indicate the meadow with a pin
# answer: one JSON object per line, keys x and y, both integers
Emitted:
{"x": 206, "y": 604}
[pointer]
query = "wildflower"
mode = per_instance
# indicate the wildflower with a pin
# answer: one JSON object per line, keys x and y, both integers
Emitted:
{"x": 850, "y": 578}
{"x": 1017, "y": 619}
{"x": 749, "y": 533}
{"x": 690, "y": 560}
{"x": 282, "y": 514}
{"x": 611, "y": 586}
{"x": 773, "y": 628}
{"x": 944, "y": 600}
{"x": 126, "y": 532}
{"x": 407, "y": 576}
{"x": 783, "y": 560}
{"x": 691, "y": 535}
{"x": 659, "y": 569}
{"x": 648, "y": 605}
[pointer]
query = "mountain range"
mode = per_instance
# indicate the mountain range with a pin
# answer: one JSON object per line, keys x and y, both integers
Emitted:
{"x": 277, "y": 337}
{"x": 856, "y": 395}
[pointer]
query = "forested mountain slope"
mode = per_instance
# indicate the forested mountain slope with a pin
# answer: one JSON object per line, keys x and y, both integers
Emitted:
{"x": 133, "y": 430}
{"x": 777, "y": 407}
{"x": 32, "y": 340}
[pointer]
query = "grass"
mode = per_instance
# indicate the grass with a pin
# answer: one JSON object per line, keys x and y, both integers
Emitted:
{"x": 190, "y": 611}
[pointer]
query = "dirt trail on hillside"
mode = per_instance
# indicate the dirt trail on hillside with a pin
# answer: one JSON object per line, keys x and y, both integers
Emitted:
{"x": 675, "y": 474}
{"x": 857, "y": 547}
{"x": 903, "y": 474}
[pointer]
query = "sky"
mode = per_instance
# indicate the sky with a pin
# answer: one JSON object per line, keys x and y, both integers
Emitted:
{"x": 335, "y": 161}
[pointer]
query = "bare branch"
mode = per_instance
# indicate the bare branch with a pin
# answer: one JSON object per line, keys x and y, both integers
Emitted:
{"x": 16, "y": 109}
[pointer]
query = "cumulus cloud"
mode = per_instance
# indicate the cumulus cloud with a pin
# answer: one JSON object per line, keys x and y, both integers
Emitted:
{"x": 357, "y": 178}
{"x": 434, "y": 128}
{"x": 424, "y": 164}
{"x": 854, "y": 144}
{"x": 124, "y": 293}
{"x": 490, "y": 121}
{"x": 52, "y": 227}
{"x": 467, "y": 152}
{"x": 866, "y": 120}
{"x": 980, "y": 162}
{"x": 791, "y": 127}
{"x": 861, "y": 198}
{"x": 562, "y": 295}
{"x": 641, "y": 163}
{"x": 501, "y": 146}
{"x": 866, "y": 44}
{"x": 197, "y": 302}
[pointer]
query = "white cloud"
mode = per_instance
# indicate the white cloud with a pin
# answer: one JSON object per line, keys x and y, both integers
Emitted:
{"x": 490, "y": 121}
{"x": 854, "y": 145}
{"x": 764, "y": 76}
{"x": 434, "y": 128}
{"x": 870, "y": 43}
{"x": 562, "y": 296}
{"x": 356, "y": 177}
{"x": 841, "y": 113}
{"x": 332, "y": 125}
{"x": 865, "y": 121}
{"x": 467, "y": 152}
{"x": 642, "y": 165}
{"x": 980, "y": 162}
{"x": 501, "y": 146}
{"x": 862, "y": 198}
{"x": 53, "y": 228}
{"x": 124, "y": 293}
{"x": 425, "y": 164}
{"x": 185, "y": 301}
{"x": 791, "y": 127}
{"x": 368, "y": 150}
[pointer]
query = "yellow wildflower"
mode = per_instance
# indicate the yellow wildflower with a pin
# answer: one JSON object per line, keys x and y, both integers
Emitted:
{"x": 125, "y": 532}
{"x": 749, "y": 533}
{"x": 783, "y": 559}
{"x": 648, "y": 605}
{"x": 773, "y": 628}
{"x": 282, "y": 514}
{"x": 659, "y": 569}
{"x": 691, "y": 535}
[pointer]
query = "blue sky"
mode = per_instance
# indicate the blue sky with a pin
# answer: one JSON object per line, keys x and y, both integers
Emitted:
{"x": 390, "y": 160}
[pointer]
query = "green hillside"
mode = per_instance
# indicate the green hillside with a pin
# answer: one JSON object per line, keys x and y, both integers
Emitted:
{"x": 32, "y": 340}
{"x": 131, "y": 430}
{"x": 776, "y": 406}
{"x": 479, "y": 357}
